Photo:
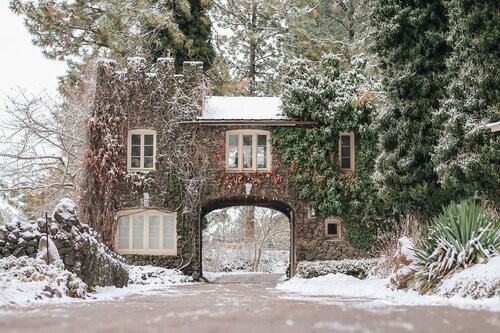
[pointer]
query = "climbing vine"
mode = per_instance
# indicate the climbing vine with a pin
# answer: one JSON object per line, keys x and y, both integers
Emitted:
{"x": 140, "y": 99}
{"x": 338, "y": 96}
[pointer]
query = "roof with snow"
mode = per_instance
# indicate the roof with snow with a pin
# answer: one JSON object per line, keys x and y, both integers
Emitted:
{"x": 242, "y": 108}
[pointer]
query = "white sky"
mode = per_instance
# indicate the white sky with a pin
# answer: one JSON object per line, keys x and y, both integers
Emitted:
{"x": 21, "y": 63}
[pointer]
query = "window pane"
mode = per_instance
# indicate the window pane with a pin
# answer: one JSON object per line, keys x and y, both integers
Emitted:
{"x": 232, "y": 159}
{"x": 332, "y": 229}
{"x": 345, "y": 152}
{"x": 154, "y": 232}
{"x": 262, "y": 140}
{"x": 247, "y": 151}
{"x": 136, "y": 139}
{"x": 345, "y": 163}
{"x": 345, "y": 140}
{"x": 148, "y": 162}
{"x": 137, "y": 231}
{"x": 148, "y": 140}
{"x": 148, "y": 150}
{"x": 123, "y": 231}
{"x": 168, "y": 232}
{"x": 233, "y": 140}
{"x": 262, "y": 151}
{"x": 136, "y": 150}
{"x": 135, "y": 162}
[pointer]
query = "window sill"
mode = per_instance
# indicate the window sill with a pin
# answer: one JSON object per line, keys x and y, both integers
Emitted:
{"x": 140, "y": 170}
{"x": 147, "y": 253}
{"x": 248, "y": 171}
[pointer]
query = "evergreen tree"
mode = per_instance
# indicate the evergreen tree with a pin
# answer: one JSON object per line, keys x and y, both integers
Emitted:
{"x": 196, "y": 28}
{"x": 468, "y": 155}
{"x": 118, "y": 29}
{"x": 410, "y": 41}
{"x": 323, "y": 27}
{"x": 249, "y": 38}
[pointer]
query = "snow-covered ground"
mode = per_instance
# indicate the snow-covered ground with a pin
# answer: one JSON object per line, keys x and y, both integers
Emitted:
{"x": 29, "y": 282}
{"x": 375, "y": 291}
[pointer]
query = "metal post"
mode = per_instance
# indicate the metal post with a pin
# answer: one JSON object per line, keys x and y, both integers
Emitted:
{"x": 47, "y": 235}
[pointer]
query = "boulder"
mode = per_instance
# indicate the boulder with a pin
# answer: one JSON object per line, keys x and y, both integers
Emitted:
{"x": 404, "y": 265}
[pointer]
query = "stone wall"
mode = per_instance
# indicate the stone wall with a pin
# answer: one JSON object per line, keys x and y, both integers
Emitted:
{"x": 76, "y": 246}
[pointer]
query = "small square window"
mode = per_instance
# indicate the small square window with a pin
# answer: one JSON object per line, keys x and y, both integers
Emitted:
{"x": 333, "y": 228}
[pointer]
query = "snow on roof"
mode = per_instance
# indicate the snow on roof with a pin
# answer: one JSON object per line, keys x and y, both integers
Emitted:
{"x": 255, "y": 108}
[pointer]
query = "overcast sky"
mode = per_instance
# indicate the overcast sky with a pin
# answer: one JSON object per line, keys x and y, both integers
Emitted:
{"x": 21, "y": 63}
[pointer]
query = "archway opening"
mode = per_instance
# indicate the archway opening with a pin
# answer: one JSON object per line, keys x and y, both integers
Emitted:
{"x": 246, "y": 239}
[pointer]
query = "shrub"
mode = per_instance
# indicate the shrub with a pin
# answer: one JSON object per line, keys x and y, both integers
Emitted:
{"x": 359, "y": 268}
{"x": 460, "y": 236}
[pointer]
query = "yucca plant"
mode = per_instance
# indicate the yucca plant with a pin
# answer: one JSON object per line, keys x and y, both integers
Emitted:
{"x": 461, "y": 235}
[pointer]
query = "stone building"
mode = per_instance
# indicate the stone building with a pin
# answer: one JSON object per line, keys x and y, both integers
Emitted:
{"x": 162, "y": 154}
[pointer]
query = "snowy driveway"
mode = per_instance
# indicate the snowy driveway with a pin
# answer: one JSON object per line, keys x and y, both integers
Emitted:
{"x": 227, "y": 308}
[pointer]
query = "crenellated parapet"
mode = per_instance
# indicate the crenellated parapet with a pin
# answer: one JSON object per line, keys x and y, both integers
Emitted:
{"x": 140, "y": 88}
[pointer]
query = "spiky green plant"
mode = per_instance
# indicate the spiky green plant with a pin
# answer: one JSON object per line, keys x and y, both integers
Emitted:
{"x": 461, "y": 235}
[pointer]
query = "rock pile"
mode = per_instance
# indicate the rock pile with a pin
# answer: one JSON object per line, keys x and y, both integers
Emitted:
{"x": 76, "y": 245}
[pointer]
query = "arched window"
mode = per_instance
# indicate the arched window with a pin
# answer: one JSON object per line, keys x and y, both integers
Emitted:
{"x": 149, "y": 231}
{"x": 248, "y": 150}
{"x": 141, "y": 150}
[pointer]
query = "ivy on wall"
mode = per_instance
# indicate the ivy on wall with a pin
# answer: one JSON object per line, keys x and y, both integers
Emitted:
{"x": 336, "y": 95}
{"x": 138, "y": 99}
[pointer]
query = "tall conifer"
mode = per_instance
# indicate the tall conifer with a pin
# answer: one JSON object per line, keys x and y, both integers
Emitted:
{"x": 467, "y": 157}
{"x": 410, "y": 41}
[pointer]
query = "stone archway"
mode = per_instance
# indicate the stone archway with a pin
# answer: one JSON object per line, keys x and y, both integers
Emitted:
{"x": 278, "y": 205}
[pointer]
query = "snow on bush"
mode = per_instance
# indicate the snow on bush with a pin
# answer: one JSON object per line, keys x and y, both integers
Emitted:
{"x": 26, "y": 281}
{"x": 145, "y": 275}
{"x": 478, "y": 281}
{"x": 462, "y": 235}
{"x": 359, "y": 268}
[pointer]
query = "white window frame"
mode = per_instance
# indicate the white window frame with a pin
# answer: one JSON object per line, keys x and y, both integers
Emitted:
{"x": 254, "y": 133}
{"x": 142, "y": 132}
{"x": 352, "y": 154}
{"x": 145, "y": 232}
{"x": 338, "y": 222}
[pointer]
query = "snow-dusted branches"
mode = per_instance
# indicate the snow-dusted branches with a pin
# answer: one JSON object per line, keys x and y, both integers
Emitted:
{"x": 41, "y": 142}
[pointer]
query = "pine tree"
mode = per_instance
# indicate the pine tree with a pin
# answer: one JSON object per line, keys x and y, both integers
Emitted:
{"x": 249, "y": 38}
{"x": 323, "y": 27}
{"x": 118, "y": 29}
{"x": 410, "y": 41}
{"x": 468, "y": 155}
{"x": 196, "y": 28}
